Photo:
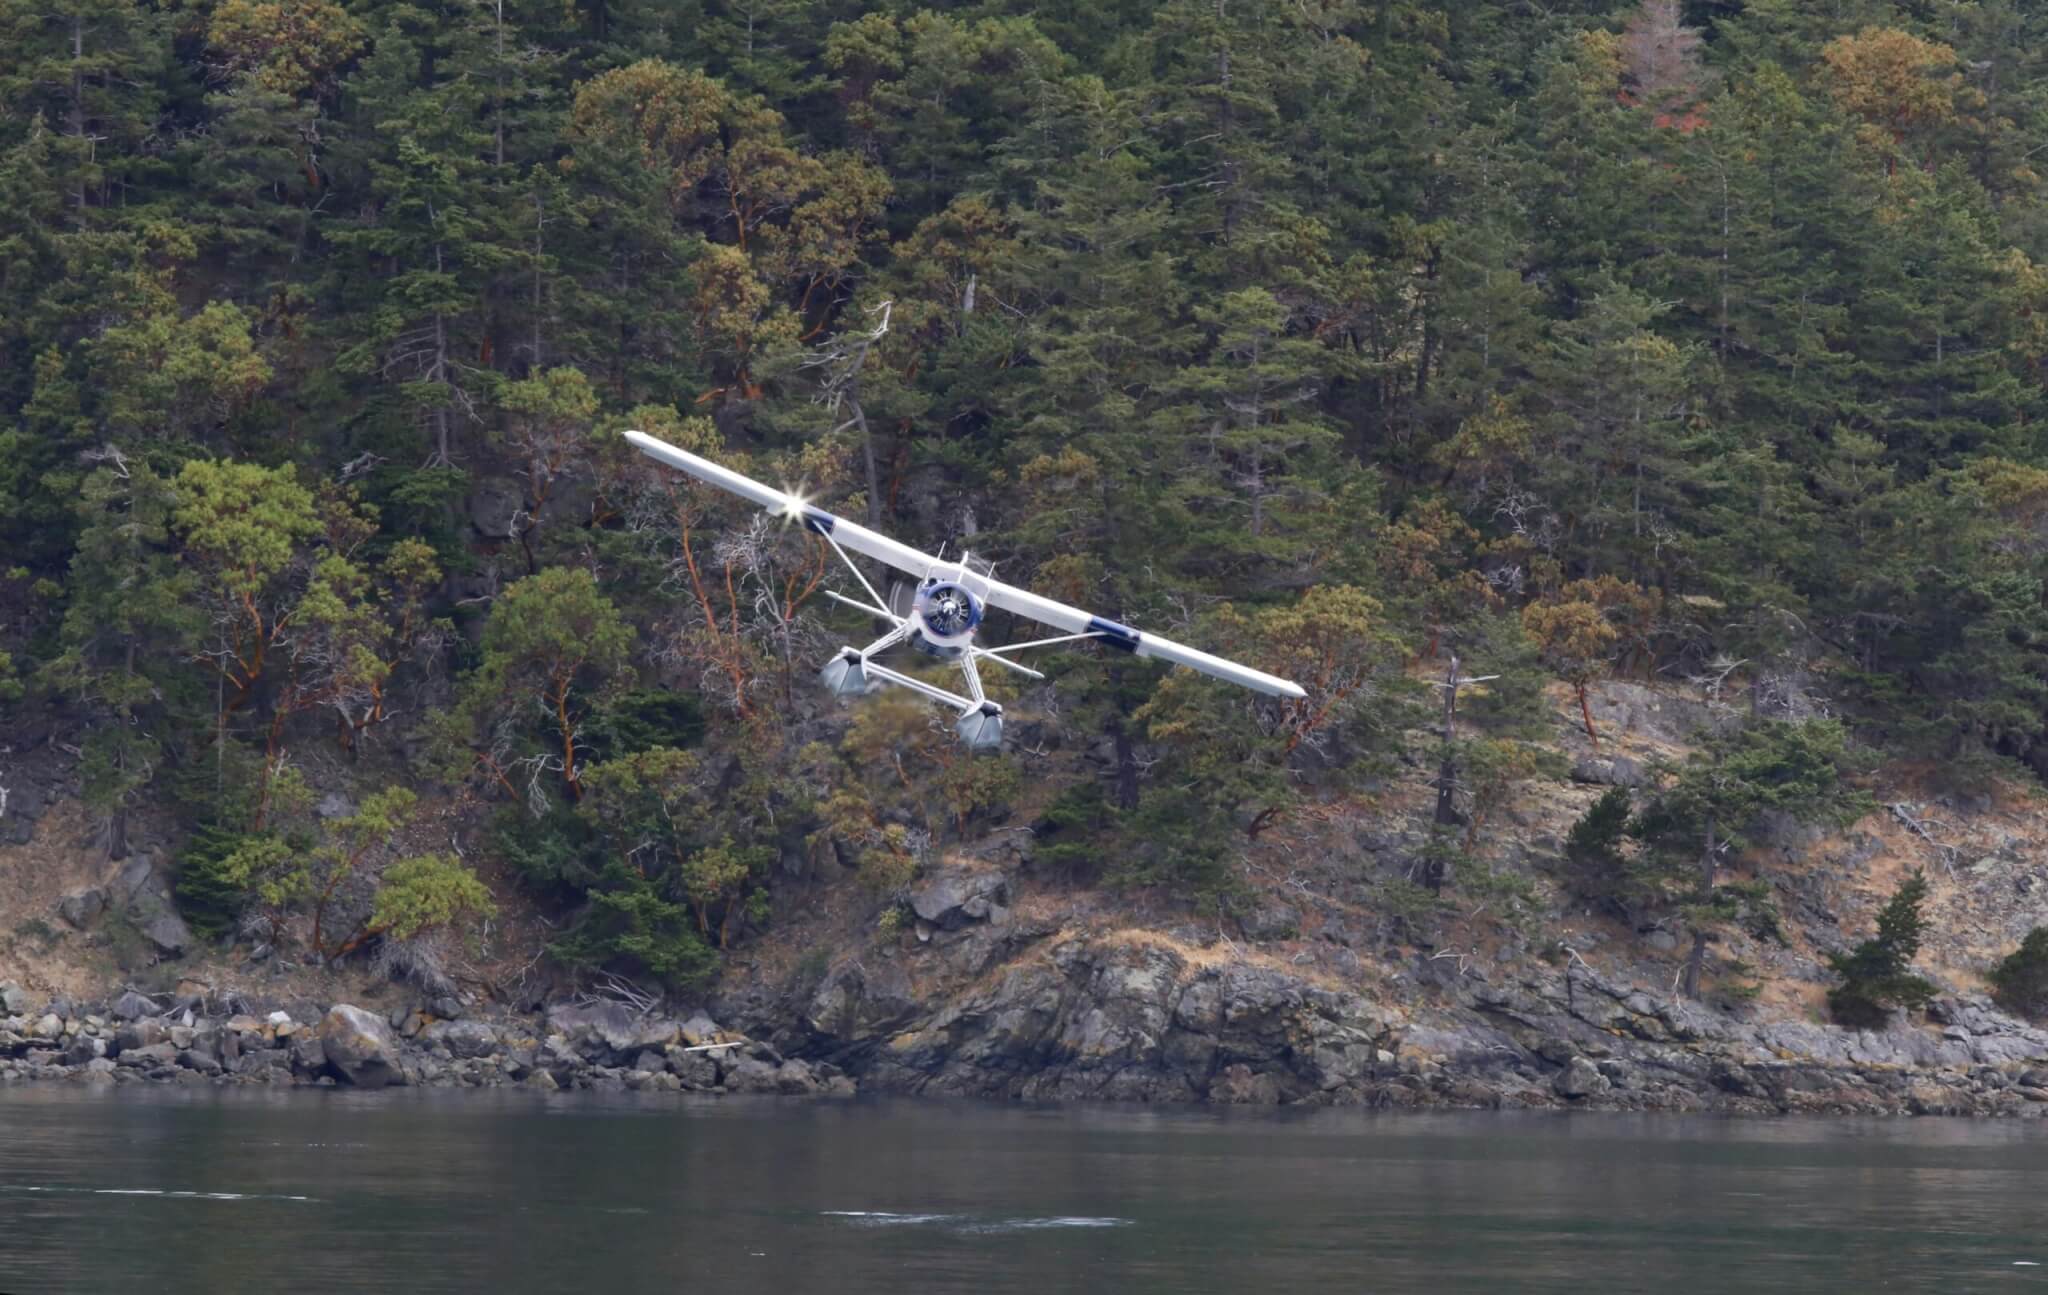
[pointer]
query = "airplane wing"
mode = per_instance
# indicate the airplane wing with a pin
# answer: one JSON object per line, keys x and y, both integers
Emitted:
{"x": 1022, "y": 602}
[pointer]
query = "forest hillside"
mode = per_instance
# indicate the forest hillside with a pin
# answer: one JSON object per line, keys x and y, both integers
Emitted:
{"x": 1513, "y": 377}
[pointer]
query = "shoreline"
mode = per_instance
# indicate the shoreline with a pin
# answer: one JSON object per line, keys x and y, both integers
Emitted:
{"x": 607, "y": 1049}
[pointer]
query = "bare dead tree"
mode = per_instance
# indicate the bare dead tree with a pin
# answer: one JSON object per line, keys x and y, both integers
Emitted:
{"x": 839, "y": 364}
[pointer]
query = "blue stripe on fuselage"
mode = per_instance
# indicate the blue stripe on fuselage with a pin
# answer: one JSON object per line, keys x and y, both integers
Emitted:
{"x": 817, "y": 519}
{"x": 1121, "y": 637}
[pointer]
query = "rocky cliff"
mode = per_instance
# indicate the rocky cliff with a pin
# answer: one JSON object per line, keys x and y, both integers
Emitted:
{"x": 994, "y": 976}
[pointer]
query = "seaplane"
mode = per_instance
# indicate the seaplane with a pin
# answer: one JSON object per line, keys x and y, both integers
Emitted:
{"x": 949, "y": 602}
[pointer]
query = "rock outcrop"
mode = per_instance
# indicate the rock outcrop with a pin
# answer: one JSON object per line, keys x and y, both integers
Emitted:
{"x": 360, "y": 1048}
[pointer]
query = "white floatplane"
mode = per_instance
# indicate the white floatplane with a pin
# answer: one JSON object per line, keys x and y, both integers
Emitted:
{"x": 947, "y": 608}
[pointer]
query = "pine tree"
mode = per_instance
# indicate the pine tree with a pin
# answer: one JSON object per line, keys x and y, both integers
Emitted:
{"x": 1877, "y": 974}
{"x": 131, "y": 626}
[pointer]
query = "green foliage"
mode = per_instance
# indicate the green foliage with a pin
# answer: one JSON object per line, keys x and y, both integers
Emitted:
{"x": 2020, "y": 980}
{"x": 1877, "y": 974}
{"x": 557, "y": 856}
{"x": 427, "y": 892}
{"x": 1595, "y": 850}
{"x": 555, "y": 644}
{"x": 1069, "y": 838}
{"x": 643, "y": 718}
{"x": 629, "y": 926}
{"x": 1574, "y": 340}
{"x": 215, "y": 876}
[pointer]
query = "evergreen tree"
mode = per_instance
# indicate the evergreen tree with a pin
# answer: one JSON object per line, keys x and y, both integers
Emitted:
{"x": 1877, "y": 974}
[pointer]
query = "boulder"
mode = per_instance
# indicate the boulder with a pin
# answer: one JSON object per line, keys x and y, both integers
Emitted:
{"x": 360, "y": 1047}
{"x": 204, "y": 1063}
{"x": 166, "y": 931}
{"x": 610, "y": 1025}
{"x": 14, "y": 1000}
{"x": 954, "y": 897}
{"x": 749, "y": 1075}
{"x": 700, "y": 1029}
{"x": 309, "y": 1055}
{"x": 49, "y": 1026}
{"x": 140, "y": 1034}
{"x": 462, "y": 1038}
{"x": 139, "y": 877}
{"x": 149, "y": 1058}
{"x": 1579, "y": 1078}
{"x": 1609, "y": 771}
{"x": 131, "y": 1006}
{"x": 81, "y": 907}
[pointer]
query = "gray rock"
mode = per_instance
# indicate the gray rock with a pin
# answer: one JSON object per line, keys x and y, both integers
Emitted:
{"x": 955, "y": 896}
{"x": 48, "y": 1026}
{"x": 149, "y": 1058}
{"x": 204, "y": 1063}
{"x": 493, "y": 506}
{"x": 700, "y": 1029}
{"x": 1274, "y": 921}
{"x": 1609, "y": 771}
{"x": 139, "y": 877}
{"x": 81, "y": 907}
{"x": 751, "y": 1076}
{"x": 855, "y": 1002}
{"x": 260, "y": 1062}
{"x": 14, "y": 999}
{"x": 1579, "y": 1078}
{"x": 19, "y": 809}
{"x": 335, "y": 805}
{"x": 464, "y": 1039}
{"x": 165, "y": 930}
{"x": 140, "y": 1034}
{"x": 1619, "y": 706}
{"x": 610, "y": 1026}
{"x": 131, "y": 1006}
{"x": 308, "y": 1054}
{"x": 360, "y": 1047}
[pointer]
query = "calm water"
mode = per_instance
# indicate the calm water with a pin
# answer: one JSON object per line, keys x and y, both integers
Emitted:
{"x": 225, "y": 1191}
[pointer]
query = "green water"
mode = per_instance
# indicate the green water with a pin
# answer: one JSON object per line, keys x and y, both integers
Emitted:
{"x": 182, "y": 1190}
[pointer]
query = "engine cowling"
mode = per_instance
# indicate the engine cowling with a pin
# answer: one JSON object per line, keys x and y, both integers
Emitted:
{"x": 947, "y": 615}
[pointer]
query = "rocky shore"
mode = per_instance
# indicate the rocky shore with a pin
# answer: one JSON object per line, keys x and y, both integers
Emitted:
{"x": 196, "y": 1039}
{"x": 1086, "y": 1021}
{"x": 977, "y": 999}
{"x": 1139, "y": 1019}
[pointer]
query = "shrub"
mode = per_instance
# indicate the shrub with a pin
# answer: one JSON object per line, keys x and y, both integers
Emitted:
{"x": 631, "y": 927}
{"x": 2020, "y": 980}
{"x": 215, "y": 882}
{"x": 1877, "y": 974}
{"x": 643, "y": 719}
{"x": 1595, "y": 866}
